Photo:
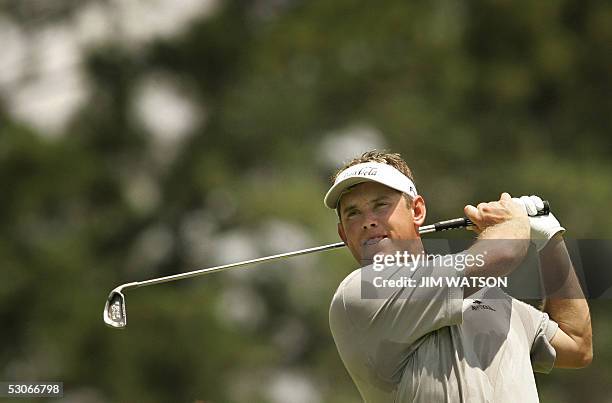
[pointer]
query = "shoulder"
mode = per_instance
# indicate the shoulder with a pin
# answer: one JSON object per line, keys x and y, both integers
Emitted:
{"x": 339, "y": 321}
{"x": 347, "y": 291}
{"x": 349, "y": 307}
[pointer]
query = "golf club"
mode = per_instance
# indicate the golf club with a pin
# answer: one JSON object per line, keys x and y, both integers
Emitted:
{"x": 115, "y": 312}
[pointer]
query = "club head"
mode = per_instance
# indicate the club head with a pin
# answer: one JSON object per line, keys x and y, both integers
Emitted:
{"x": 114, "y": 311}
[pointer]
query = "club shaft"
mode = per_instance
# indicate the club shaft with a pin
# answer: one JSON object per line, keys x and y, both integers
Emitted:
{"x": 199, "y": 272}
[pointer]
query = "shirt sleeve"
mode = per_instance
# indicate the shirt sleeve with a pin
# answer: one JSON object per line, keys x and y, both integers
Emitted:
{"x": 385, "y": 307}
{"x": 543, "y": 354}
{"x": 540, "y": 330}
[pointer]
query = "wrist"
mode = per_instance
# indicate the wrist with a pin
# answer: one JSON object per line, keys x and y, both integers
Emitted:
{"x": 516, "y": 227}
{"x": 553, "y": 244}
{"x": 523, "y": 226}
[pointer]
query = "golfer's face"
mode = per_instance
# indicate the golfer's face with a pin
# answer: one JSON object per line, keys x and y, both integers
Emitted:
{"x": 371, "y": 212}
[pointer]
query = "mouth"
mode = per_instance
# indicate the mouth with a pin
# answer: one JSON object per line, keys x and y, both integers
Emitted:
{"x": 374, "y": 240}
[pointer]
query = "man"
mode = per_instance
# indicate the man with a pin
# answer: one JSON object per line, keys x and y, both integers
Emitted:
{"x": 448, "y": 343}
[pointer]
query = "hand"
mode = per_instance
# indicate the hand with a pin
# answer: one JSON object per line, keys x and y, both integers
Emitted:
{"x": 543, "y": 227}
{"x": 495, "y": 212}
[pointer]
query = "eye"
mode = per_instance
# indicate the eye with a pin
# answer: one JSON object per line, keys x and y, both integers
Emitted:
{"x": 351, "y": 213}
{"x": 381, "y": 204}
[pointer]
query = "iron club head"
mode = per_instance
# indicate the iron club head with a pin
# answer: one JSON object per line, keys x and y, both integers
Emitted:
{"x": 114, "y": 311}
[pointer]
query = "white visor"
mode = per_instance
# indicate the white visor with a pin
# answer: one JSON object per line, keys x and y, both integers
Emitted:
{"x": 368, "y": 172}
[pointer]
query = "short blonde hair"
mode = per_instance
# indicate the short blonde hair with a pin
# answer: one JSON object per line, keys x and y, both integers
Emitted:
{"x": 383, "y": 157}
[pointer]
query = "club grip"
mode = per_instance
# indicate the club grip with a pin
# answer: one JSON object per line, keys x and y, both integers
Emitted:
{"x": 545, "y": 210}
{"x": 451, "y": 224}
{"x": 466, "y": 222}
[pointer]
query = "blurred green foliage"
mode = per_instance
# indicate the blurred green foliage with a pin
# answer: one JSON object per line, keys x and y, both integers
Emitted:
{"x": 480, "y": 97}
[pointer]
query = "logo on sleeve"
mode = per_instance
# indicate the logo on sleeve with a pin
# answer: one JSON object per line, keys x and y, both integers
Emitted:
{"x": 477, "y": 305}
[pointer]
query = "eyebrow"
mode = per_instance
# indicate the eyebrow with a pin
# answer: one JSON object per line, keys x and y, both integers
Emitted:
{"x": 353, "y": 206}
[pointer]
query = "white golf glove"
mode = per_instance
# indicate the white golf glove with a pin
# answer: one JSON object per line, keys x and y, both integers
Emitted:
{"x": 543, "y": 227}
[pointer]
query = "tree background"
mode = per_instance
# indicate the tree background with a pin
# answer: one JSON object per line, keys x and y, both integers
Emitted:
{"x": 145, "y": 138}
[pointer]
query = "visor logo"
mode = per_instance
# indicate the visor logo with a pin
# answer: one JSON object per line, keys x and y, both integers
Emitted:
{"x": 365, "y": 171}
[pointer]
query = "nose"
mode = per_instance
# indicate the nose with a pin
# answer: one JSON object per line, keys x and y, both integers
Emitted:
{"x": 370, "y": 222}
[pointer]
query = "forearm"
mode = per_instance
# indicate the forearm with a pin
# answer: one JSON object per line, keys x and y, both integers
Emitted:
{"x": 564, "y": 300}
{"x": 503, "y": 246}
{"x": 504, "y": 233}
{"x": 515, "y": 229}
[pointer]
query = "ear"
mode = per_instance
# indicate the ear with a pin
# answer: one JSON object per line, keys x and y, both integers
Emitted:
{"x": 418, "y": 210}
{"x": 341, "y": 232}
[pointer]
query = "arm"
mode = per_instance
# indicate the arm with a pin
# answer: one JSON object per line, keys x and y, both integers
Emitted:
{"x": 565, "y": 304}
{"x": 503, "y": 238}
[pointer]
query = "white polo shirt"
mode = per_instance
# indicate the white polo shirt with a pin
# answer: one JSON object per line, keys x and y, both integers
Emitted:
{"x": 430, "y": 345}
